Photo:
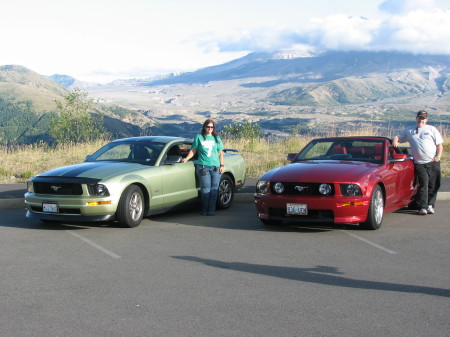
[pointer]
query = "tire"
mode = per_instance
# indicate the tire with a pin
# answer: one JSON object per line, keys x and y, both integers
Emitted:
{"x": 130, "y": 210}
{"x": 376, "y": 210}
{"x": 226, "y": 192}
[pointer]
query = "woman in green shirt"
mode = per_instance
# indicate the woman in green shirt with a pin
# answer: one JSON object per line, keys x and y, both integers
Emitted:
{"x": 209, "y": 164}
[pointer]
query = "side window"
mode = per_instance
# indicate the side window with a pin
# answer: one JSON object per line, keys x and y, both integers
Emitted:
{"x": 185, "y": 148}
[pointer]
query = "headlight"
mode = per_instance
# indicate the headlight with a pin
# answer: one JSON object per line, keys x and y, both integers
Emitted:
{"x": 30, "y": 188}
{"x": 350, "y": 190}
{"x": 278, "y": 188}
{"x": 325, "y": 189}
{"x": 262, "y": 187}
{"x": 98, "y": 189}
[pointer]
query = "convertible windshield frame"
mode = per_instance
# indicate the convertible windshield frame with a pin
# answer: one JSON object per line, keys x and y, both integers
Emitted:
{"x": 343, "y": 149}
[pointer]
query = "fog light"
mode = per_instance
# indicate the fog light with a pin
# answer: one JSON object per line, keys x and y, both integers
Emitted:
{"x": 325, "y": 189}
{"x": 278, "y": 188}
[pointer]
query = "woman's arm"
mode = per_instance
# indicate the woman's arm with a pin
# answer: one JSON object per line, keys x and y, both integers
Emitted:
{"x": 222, "y": 162}
{"x": 190, "y": 154}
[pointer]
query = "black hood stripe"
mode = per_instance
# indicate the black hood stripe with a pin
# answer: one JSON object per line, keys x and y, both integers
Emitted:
{"x": 78, "y": 170}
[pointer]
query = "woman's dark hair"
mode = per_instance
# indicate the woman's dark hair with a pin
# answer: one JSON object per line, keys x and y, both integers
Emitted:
{"x": 214, "y": 133}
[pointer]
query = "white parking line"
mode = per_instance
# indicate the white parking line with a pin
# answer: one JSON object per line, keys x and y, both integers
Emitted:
{"x": 370, "y": 243}
{"x": 95, "y": 245}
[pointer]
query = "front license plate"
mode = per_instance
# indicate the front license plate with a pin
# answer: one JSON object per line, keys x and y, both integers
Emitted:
{"x": 50, "y": 208}
{"x": 297, "y": 209}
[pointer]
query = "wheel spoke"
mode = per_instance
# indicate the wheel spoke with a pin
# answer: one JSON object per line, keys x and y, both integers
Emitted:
{"x": 224, "y": 192}
{"x": 378, "y": 205}
{"x": 135, "y": 206}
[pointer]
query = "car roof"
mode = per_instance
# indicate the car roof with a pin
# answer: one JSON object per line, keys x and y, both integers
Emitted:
{"x": 159, "y": 139}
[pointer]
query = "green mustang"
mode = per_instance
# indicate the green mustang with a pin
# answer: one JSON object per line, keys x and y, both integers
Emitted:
{"x": 126, "y": 180}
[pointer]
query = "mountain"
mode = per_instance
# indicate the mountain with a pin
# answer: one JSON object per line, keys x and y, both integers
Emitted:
{"x": 69, "y": 82}
{"x": 283, "y": 91}
{"x": 320, "y": 68}
{"x": 327, "y": 81}
{"x": 27, "y": 106}
{"x": 308, "y": 90}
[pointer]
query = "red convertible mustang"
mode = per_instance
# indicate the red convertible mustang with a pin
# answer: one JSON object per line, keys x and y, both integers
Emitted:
{"x": 338, "y": 180}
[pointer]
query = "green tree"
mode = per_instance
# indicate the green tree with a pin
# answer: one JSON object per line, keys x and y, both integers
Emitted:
{"x": 245, "y": 130}
{"x": 76, "y": 123}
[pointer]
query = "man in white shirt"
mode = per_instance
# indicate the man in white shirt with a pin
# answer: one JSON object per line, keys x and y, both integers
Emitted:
{"x": 426, "y": 146}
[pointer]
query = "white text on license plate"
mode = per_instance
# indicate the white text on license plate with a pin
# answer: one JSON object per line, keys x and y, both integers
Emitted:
{"x": 297, "y": 209}
{"x": 50, "y": 208}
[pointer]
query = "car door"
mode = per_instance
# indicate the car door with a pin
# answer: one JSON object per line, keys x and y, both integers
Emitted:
{"x": 404, "y": 177}
{"x": 178, "y": 179}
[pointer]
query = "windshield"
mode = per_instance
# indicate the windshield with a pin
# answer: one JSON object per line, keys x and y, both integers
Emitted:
{"x": 343, "y": 149}
{"x": 134, "y": 152}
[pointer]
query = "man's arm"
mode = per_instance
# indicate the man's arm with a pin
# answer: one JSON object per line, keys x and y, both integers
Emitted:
{"x": 395, "y": 141}
{"x": 439, "y": 151}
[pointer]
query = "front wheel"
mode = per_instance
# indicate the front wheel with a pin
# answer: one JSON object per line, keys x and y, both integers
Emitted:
{"x": 130, "y": 210}
{"x": 376, "y": 210}
{"x": 226, "y": 192}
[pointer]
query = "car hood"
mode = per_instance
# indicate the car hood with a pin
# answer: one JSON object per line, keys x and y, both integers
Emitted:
{"x": 321, "y": 171}
{"x": 96, "y": 170}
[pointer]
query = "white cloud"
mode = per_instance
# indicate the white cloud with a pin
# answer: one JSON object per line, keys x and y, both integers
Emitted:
{"x": 420, "y": 30}
{"x": 342, "y": 32}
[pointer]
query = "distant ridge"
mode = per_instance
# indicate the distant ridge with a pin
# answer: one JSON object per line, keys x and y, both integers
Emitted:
{"x": 323, "y": 67}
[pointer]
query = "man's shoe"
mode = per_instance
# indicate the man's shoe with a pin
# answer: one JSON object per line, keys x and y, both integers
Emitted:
{"x": 423, "y": 211}
{"x": 430, "y": 209}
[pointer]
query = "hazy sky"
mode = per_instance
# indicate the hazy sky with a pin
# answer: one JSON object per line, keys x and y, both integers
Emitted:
{"x": 102, "y": 40}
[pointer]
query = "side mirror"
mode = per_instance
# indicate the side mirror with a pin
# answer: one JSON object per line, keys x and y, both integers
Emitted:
{"x": 170, "y": 160}
{"x": 397, "y": 157}
{"x": 292, "y": 156}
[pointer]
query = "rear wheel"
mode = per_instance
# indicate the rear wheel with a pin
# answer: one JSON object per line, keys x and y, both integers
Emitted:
{"x": 226, "y": 192}
{"x": 376, "y": 210}
{"x": 130, "y": 210}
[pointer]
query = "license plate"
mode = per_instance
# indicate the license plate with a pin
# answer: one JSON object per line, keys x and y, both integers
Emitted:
{"x": 297, "y": 209}
{"x": 50, "y": 208}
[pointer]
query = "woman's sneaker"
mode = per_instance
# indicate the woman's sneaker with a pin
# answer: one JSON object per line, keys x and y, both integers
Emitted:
{"x": 423, "y": 211}
{"x": 430, "y": 209}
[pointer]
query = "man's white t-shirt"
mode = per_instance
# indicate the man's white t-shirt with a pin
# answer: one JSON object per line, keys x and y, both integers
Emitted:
{"x": 423, "y": 142}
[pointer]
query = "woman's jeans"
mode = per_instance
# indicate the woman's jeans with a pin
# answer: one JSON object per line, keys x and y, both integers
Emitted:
{"x": 209, "y": 177}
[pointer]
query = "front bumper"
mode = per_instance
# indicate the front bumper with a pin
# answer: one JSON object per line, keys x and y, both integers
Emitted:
{"x": 71, "y": 208}
{"x": 69, "y": 218}
{"x": 336, "y": 209}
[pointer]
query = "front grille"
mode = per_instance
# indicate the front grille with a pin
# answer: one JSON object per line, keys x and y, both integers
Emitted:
{"x": 57, "y": 188}
{"x": 303, "y": 189}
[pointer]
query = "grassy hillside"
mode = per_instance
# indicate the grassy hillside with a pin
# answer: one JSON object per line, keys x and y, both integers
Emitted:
{"x": 27, "y": 106}
{"x": 19, "y": 84}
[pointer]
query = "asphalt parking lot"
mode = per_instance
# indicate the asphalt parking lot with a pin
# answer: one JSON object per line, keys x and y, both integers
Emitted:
{"x": 181, "y": 274}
